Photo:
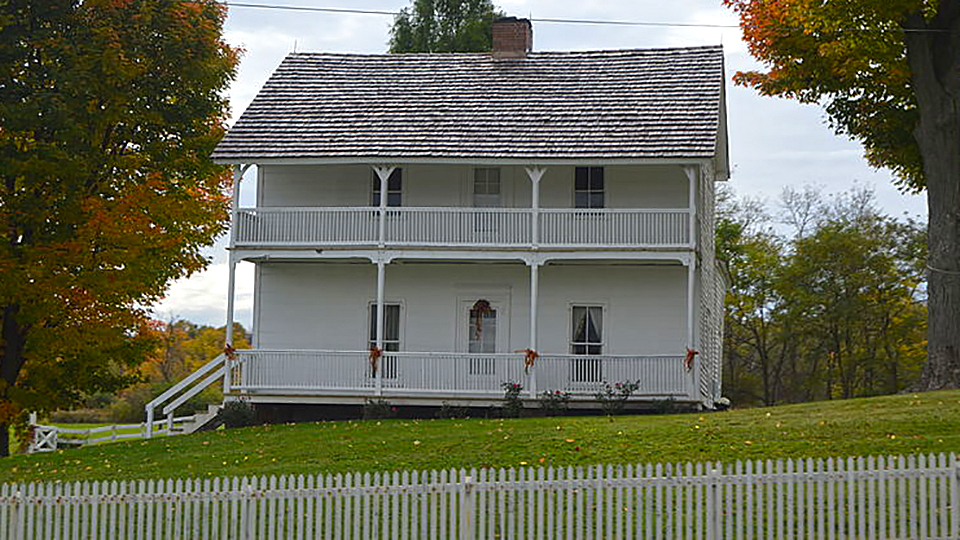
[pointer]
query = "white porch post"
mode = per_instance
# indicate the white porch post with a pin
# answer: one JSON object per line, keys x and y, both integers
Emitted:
{"x": 691, "y": 290}
{"x": 232, "y": 276}
{"x": 535, "y": 174}
{"x": 692, "y": 172}
{"x": 383, "y": 174}
{"x": 381, "y": 278}
{"x": 534, "y": 295}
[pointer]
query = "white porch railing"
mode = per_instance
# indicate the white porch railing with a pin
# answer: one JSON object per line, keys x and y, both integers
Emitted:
{"x": 614, "y": 227}
{"x": 412, "y": 374}
{"x": 463, "y": 227}
{"x": 420, "y": 226}
{"x": 307, "y": 226}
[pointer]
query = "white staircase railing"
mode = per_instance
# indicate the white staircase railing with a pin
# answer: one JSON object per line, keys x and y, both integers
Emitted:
{"x": 179, "y": 393}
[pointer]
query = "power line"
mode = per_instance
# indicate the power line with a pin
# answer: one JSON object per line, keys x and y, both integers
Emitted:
{"x": 532, "y": 19}
{"x": 545, "y": 19}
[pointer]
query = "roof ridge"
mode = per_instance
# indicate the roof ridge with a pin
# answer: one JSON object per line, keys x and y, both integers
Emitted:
{"x": 611, "y": 52}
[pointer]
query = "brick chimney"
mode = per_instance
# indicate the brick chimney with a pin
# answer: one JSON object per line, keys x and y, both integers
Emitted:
{"x": 512, "y": 37}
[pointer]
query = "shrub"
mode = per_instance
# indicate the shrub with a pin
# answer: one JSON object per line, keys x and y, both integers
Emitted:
{"x": 379, "y": 409}
{"x": 554, "y": 403}
{"x": 236, "y": 414}
{"x": 452, "y": 411}
{"x": 667, "y": 406}
{"x": 81, "y": 416}
{"x": 613, "y": 398}
{"x": 512, "y": 404}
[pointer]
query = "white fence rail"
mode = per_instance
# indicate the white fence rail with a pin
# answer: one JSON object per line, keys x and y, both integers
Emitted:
{"x": 464, "y": 227}
{"x": 51, "y": 438}
{"x": 915, "y": 497}
{"x": 462, "y": 375}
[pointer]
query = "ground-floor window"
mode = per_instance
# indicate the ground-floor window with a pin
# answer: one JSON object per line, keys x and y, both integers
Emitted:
{"x": 586, "y": 339}
{"x": 391, "y": 336}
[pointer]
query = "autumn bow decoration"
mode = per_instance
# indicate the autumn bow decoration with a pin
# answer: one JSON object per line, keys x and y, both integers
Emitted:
{"x": 230, "y": 352}
{"x": 529, "y": 358}
{"x": 478, "y": 311}
{"x": 688, "y": 359}
{"x": 375, "y": 354}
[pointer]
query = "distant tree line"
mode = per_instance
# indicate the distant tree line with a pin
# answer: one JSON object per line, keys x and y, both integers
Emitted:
{"x": 828, "y": 302}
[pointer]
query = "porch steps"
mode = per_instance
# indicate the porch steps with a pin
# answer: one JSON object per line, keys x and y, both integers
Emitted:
{"x": 200, "y": 420}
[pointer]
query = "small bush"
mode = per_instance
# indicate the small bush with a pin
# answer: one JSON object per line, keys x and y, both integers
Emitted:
{"x": 512, "y": 404}
{"x": 613, "y": 398}
{"x": 554, "y": 403}
{"x": 667, "y": 406}
{"x": 235, "y": 414}
{"x": 448, "y": 411}
{"x": 378, "y": 410}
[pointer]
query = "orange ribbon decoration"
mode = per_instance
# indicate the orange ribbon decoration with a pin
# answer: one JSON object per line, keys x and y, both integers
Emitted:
{"x": 688, "y": 360}
{"x": 230, "y": 352}
{"x": 529, "y": 358}
{"x": 375, "y": 354}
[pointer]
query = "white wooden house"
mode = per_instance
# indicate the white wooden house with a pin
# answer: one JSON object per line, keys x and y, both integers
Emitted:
{"x": 488, "y": 205}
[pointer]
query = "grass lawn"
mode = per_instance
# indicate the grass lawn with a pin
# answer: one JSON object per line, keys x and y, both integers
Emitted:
{"x": 900, "y": 424}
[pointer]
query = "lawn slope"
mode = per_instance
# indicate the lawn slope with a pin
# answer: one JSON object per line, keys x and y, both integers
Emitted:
{"x": 901, "y": 424}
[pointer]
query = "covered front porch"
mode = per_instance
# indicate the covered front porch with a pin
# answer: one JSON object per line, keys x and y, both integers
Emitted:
{"x": 326, "y": 376}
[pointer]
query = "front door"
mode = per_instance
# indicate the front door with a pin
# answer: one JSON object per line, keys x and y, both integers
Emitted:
{"x": 483, "y": 332}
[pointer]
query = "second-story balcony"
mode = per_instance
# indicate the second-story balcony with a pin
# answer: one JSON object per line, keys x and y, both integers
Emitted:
{"x": 488, "y": 228}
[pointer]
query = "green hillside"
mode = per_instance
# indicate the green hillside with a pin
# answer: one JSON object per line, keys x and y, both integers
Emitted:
{"x": 885, "y": 425}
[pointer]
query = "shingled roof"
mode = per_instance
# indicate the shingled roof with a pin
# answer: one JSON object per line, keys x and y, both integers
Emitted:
{"x": 627, "y": 104}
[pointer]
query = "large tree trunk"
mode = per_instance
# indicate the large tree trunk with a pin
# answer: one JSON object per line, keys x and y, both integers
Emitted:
{"x": 935, "y": 66}
{"x": 11, "y": 362}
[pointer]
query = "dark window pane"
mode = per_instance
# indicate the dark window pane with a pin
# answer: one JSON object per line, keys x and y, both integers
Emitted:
{"x": 593, "y": 349}
{"x": 580, "y": 180}
{"x": 581, "y": 199}
{"x": 579, "y": 349}
{"x": 373, "y": 323}
{"x": 393, "y": 199}
{"x": 395, "y": 180}
{"x": 596, "y": 178}
{"x": 593, "y": 333}
{"x": 391, "y": 325}
{"x": 596, "y": 200}
{"x": 579, "y": 324}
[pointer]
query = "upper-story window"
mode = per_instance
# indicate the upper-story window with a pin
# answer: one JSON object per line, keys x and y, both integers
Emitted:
{"x": 588, "y": 187}
{"x": 394, "y": 189}
{"x": 486, "y": 188}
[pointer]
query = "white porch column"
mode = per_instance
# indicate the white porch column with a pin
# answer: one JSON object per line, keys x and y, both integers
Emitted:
{"x": 691, "y": 298}
{"x": 535, "y": 174}
{"x": 534, "y": 301}
{"x": 383, "y": 174}
{"x": 381, "y": 278}
{"x": 232, "y": 276}
{"x": 692, "y": 172}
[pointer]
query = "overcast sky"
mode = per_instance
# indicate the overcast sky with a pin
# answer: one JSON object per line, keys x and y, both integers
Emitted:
{"x": 773, "y": 142}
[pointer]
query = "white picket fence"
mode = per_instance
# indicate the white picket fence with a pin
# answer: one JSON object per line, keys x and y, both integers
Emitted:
{"x": 866, "y": 498}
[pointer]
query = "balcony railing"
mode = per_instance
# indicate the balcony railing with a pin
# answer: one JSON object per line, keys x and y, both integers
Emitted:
{"x": 449, "y": 375}
{"x": 462, "y": 227}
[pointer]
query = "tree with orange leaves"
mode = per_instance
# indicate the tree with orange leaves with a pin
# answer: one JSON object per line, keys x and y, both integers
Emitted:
{"x": 888, "y": 74}
{"x": 109, "y": 111}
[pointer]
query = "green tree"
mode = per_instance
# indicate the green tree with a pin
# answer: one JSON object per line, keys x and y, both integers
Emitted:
{"x": 109, "y": 112}
{"x": 835, "y": 309}
{"x": 888, "y": 73}
{"x": 444, "y": 26}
